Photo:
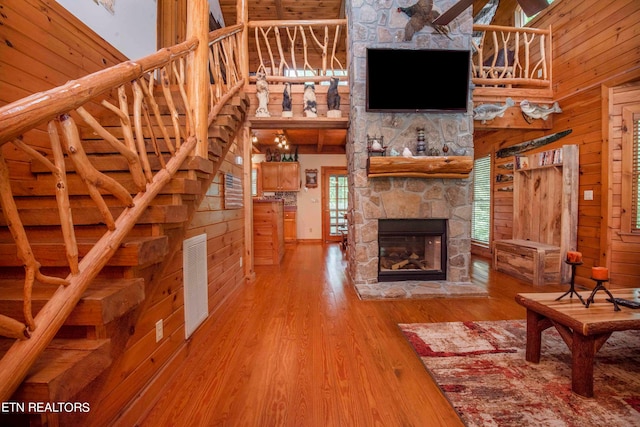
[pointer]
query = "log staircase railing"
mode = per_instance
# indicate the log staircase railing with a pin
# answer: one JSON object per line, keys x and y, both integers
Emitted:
{"x": 299, "y": 51}
{"x": 132, "y": 92}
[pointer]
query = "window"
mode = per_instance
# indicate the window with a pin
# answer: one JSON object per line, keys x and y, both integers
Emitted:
{"x": 481, "y": 215}
{"x": 630, "y": 214}
{"x": 521, "y": 19}
{"x": 309, "y": 73}
{"x": 338, "y": 201}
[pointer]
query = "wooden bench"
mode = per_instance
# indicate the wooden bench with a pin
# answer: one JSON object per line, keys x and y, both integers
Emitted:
{"x": 534, "y": 262}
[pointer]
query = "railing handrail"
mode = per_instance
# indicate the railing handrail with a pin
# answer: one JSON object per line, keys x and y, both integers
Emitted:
{"x": 530, "y": 30}
{"x": 278, "y": 39}
{"x": 530, "y": 62}
{"x": 296, "y": 23}
{"x": 36, "y": 109}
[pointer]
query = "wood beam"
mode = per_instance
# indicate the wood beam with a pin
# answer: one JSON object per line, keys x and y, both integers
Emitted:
{"x": 513, "y": 119}
{"x": 321, "y": 135}
{"x": 198, "y": 72}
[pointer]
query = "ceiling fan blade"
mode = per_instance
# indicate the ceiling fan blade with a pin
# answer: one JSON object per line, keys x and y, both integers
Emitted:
{"x": 453, "y": 12}
{"x": 531, "y": 7}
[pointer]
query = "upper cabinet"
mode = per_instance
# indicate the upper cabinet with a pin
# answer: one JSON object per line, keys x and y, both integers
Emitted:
{"x": 280, "y": 176}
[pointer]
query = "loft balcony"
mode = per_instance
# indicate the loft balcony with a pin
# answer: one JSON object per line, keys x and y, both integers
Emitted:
{"x": 506, "y": 62}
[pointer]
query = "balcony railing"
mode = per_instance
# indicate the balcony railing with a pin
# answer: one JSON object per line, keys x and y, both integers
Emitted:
{"x": 511, "y": 61}
{"x": 298, "y": 51}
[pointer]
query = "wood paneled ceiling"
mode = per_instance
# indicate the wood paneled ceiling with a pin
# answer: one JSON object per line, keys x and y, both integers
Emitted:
{"x": 266, "y": 10}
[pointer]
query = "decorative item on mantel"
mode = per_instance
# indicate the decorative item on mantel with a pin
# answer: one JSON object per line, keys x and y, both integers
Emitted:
{"x": 262, "y": 92}
{"x": 375, "y": 146}
{"x": 421, "y": 146}
{"x": 333, "y": 99}
{"x": 309, "y": 97}
{"x": 286, "y": 101}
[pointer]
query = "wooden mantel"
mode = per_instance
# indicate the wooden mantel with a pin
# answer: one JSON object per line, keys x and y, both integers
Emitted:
{"x": 451, "y": 167}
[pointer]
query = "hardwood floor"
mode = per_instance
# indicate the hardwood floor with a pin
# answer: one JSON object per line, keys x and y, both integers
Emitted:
{"x": 298, "y": 348}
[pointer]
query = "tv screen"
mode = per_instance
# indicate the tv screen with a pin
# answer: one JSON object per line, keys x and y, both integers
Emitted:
{"x": 403, "y": 80}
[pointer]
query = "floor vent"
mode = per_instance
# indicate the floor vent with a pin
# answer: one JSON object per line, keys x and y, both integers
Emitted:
{"x": 196, "y": 301}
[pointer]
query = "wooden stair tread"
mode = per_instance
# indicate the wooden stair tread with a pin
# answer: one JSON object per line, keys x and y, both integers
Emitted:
{"x": 108, "y": 161}
{"x": 45, "y": 185}
{"x": 104, "y": 301}
{"x": 49, "y": 216}
{"x": 138, "y": 251}
{"x": 63, "y": 370}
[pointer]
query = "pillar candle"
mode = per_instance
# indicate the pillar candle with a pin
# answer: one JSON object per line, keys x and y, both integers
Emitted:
{"x": 574, "y": 256}
{"x": 600, "y": 273}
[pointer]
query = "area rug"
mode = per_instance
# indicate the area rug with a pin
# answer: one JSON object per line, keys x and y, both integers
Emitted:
{"x": 481, "y": 369}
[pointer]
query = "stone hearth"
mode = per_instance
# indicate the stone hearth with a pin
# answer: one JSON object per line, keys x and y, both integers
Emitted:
{"x": 419, "y": 290}
{"x": 378, "y": 24}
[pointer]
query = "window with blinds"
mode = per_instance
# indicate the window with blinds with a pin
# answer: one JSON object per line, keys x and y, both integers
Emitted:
{"x": 635, "y": 176}
{"x": 481, "y": 215}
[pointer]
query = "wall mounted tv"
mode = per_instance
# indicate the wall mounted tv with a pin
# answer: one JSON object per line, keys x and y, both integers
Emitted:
{"x": 417, "y": 80}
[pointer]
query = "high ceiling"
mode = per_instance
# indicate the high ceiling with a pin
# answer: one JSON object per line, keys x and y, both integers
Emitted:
{"x": 266, "y": 10}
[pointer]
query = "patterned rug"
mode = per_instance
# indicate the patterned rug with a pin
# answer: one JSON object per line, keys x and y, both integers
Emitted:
{"x": 481, "y": 368}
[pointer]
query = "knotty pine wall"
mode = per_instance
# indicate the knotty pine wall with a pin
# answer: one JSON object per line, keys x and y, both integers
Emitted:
{"x": 44, "y": 46}
{"x": 596, "y": 46}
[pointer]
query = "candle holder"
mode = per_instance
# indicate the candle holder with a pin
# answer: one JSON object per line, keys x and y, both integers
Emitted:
{"x": 572, "y": 288}
{"x": 601, "y": 287}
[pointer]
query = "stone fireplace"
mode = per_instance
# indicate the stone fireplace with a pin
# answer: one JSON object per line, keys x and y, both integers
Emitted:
{"x": 378, "y": 24}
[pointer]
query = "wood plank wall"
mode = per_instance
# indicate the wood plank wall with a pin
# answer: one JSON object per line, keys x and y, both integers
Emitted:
{"x": 44, "y": 46}
{"x": 595, "y": 44}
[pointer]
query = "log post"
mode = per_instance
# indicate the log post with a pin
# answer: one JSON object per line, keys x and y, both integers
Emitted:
{"x": 198, "y": 72}
{"x": 243, "y": 18}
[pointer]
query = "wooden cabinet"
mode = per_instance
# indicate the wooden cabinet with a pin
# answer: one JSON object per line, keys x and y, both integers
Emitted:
{"x": 545, "y": 217}
{"x": 290, "y": 227}
{"x": 268, "y": 232}
{"x": 280, "y": 176}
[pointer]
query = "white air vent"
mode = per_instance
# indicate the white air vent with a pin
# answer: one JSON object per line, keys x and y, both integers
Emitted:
{"x": 196, "y": 301}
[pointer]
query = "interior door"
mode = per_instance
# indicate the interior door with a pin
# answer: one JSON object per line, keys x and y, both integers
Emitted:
{"x": 335, "y": 192}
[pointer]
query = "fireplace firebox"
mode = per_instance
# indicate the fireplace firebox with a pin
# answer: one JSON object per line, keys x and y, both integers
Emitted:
{"x": 412, "y": 249}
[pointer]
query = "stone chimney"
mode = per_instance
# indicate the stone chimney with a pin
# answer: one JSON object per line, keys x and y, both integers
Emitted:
{"x": 378, "y": 24}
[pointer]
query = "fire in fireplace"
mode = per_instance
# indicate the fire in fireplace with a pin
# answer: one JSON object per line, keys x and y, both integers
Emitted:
{"x": 412, "y": 249}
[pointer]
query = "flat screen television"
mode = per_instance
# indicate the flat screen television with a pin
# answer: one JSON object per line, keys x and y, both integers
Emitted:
{"x": 417, "y": 80}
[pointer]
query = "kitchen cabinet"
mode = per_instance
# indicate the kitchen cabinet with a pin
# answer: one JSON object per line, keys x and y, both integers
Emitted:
{"x": 280, "y": 176}
{"x": 290, "y": 227}
{"x": 268, "y": 231}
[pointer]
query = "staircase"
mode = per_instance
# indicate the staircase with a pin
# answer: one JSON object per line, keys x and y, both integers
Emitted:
{"x": 95, "y": 333}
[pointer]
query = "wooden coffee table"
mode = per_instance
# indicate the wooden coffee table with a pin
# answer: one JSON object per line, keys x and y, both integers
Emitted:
{"x": 584, "y": 330}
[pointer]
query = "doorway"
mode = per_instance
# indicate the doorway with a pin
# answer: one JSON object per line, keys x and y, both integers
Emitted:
{"x": 335, "y": 192}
